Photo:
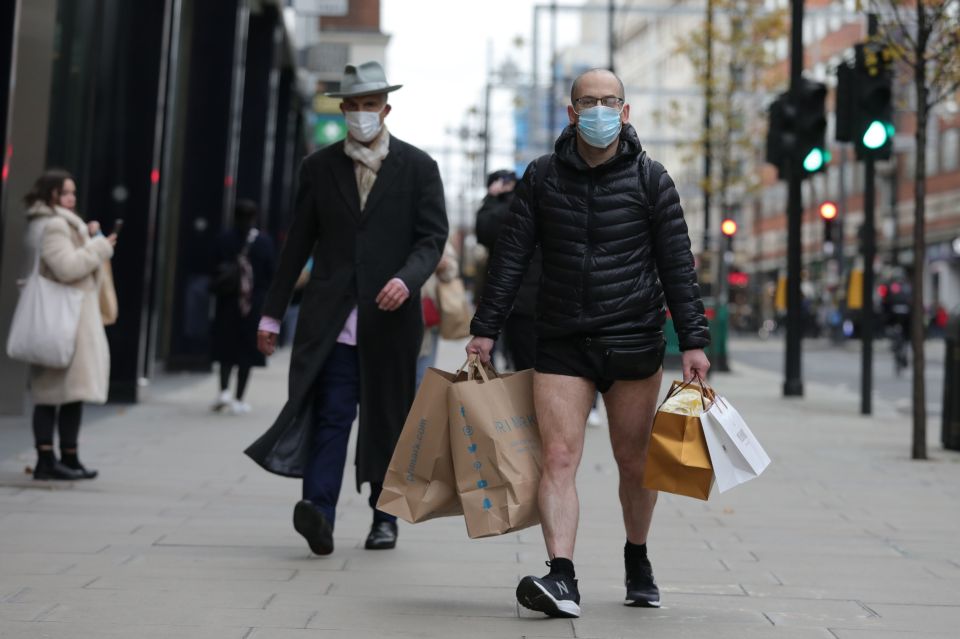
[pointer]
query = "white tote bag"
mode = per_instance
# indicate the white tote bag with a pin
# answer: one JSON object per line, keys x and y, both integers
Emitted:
{"x": 735, "y": 453}
{"x": 45, "y": 322}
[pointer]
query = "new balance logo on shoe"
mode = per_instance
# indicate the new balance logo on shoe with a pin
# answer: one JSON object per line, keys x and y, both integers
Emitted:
{"x": 554, "y": 595}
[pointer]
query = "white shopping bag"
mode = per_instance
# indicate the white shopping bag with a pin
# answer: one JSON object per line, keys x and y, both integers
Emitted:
{"x": 735, "y": 453}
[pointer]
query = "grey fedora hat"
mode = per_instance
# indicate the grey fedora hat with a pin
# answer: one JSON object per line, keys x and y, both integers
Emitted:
{"x": 363, "y": 79}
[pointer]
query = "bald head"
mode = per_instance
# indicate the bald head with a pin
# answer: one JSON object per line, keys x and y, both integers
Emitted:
{"x": 594, "y": 77}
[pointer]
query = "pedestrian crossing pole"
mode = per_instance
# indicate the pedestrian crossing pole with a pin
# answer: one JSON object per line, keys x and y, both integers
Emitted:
{"x": 793, "y": 381}
{"x": 869, "y": 256}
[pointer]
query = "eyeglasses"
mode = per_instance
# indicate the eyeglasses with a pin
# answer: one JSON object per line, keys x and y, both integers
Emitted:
{"x": 588, "y": 102}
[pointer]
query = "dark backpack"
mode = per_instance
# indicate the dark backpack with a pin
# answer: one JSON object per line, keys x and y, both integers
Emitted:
{"x": 228, "y": 280}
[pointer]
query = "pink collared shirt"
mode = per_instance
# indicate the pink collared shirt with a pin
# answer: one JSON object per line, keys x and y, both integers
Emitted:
{"x": 348, "y": 335}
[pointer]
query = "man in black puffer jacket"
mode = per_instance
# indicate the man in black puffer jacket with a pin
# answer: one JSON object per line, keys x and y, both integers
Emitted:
{"x": 616, "y": 254}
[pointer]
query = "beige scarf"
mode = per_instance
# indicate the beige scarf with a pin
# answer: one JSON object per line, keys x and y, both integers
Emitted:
{"x": 367, "y": 161}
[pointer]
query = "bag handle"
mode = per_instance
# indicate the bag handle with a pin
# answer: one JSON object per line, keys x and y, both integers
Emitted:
{"x": 35, "y": 271}
{"x": 706, "y": 392}
{"x": 709, "y": 393}
{"x": 473, "y": 365}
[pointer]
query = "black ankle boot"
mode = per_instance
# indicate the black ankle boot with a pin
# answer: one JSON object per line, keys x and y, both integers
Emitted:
{"x": 71, "y": 461}
{"x": 49, "y": 467}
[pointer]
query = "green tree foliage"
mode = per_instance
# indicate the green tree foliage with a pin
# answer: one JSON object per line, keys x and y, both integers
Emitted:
{"x": 741, "y": 70}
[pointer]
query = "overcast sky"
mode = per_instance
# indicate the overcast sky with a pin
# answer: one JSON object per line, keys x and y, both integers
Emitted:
{"x": 443, "y": 68}
{"x": 439, "y": 51}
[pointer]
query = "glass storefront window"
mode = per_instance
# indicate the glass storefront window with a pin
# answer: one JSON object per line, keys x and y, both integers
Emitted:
{"x": 78, "y": 32}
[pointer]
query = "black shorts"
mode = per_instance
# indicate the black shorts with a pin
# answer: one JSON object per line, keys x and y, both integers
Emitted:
{"x": 602, "y": 360}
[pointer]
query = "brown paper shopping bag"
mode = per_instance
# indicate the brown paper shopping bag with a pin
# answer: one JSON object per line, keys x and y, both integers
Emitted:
{"x": 677, "y": 458}
{"x": 420, "y": 484}
{"x": 455, "y": 310}
{"x": 496, "y": 451}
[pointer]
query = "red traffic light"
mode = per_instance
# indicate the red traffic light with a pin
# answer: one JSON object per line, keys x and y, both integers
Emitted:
{"x": 829, "y": 211}
{"x": 728, "y": 227}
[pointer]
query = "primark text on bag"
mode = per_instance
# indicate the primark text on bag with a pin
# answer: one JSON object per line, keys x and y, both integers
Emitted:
{"x": 495, "y": 441}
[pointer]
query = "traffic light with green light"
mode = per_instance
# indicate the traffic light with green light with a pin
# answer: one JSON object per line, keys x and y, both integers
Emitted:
{"x": 812, "y": 126}
{"x": 797, "y": 129}
{"x": 865, "y": 102}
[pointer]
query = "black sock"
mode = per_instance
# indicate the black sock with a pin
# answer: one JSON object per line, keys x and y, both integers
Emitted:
{"x": 633, "y": 553}
{"x": 561, "y": 566}
{"x": 46, "y": 456}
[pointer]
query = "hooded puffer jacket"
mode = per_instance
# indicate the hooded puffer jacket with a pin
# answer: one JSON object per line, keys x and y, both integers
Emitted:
{"x": 612, "y": 259}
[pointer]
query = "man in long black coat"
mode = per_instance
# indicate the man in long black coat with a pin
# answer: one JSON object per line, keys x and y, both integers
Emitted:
{"x": 371, "y": 212}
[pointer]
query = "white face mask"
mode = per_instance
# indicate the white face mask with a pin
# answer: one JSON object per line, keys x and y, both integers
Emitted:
{"x": 363, "y": 125}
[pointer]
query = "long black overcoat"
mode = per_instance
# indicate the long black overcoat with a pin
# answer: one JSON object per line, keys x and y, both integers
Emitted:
{"x": 400, "y": 233}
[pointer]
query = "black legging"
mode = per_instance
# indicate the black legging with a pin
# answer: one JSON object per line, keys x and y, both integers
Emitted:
{"x": 243, "y": 375}
{"x": 45, "y": 417}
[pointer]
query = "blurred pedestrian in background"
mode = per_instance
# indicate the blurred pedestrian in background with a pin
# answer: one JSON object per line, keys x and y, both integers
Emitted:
{"x": 446, "y": 270}
{"x": 519, "y": 334}
{"x": 371, "y": 210}
{"x": 492, "y": 211}
{"x": 244, "y": 262}
{"x": 615, "y": 252}
{"x": 71, "y": 252}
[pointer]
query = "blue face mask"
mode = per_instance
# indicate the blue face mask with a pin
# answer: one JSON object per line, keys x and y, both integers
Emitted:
{"x": 599, "y": 126}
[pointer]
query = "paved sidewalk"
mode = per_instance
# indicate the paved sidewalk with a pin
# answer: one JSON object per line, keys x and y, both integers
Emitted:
{"x": 183, "y": 536}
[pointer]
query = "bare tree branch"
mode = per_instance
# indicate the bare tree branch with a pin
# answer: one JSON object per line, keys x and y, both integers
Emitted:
{"x": 939, "y": 11}
{"x": 893, "y": 8}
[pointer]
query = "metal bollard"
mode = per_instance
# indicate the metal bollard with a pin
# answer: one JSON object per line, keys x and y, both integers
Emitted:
{"x": 951, "y": 385}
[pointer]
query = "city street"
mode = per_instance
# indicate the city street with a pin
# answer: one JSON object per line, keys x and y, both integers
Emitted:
{"x": 839, "y": 365}
{"x": 621, "y": 156}
{"x": 182, "y": 536}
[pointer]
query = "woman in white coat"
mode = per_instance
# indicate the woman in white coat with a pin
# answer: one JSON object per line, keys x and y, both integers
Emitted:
{"x": 71, "y": 252}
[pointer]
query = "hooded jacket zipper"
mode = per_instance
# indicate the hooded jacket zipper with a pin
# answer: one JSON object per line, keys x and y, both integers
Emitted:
{"x": 588, "y": 252}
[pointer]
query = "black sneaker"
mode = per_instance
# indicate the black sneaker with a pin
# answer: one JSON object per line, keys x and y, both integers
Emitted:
{"x": 554, "y": 595}
{"x": 309, "y": 521}
{"x": 642, "y": 590}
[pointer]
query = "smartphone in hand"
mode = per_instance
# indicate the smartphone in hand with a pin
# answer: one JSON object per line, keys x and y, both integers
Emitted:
{"x": 117, "y": 226}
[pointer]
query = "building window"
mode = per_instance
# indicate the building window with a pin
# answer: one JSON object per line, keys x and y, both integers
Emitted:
{"x": 951, "y": 150}
{"x": 933, "y": 148}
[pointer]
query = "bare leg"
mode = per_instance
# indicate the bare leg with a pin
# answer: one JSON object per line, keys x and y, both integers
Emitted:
{"x": 562, "y": 403}
{"x": 631, "y": 406}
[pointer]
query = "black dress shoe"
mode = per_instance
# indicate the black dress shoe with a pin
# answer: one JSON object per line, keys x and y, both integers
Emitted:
{"x": 55, "y": 470}
{"x": 85, "y": 473}
{"x": 309, "y": 521}
{"x": 383, "y": 536}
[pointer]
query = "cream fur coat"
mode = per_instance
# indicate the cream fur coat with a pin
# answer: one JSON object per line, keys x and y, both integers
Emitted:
{"x": 69, "y": 255}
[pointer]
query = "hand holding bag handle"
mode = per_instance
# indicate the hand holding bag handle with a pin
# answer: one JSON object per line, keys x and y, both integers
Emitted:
{"x": 706, "y": 392}
{"x": 473, "y": 365}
